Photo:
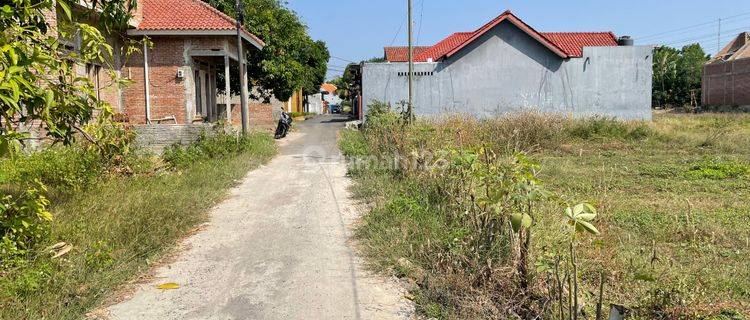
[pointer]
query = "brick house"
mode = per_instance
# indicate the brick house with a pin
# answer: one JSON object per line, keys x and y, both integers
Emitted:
{"x": 177, "y": 77}
{"x": 726, "y": 77}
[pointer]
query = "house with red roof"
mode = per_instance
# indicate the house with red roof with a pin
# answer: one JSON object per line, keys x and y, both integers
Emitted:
{"x": 181, "y": 73}
{"x": 506, "y": 66}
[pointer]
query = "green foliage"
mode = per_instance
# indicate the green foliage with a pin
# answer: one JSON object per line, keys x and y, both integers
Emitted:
{"x": 382, "y": 116}
{"x": 608, "y": 128}
{"x": 291, "y": 60}
{"x": 38, "y": 80}
{"x": 717, "y": 169}
{"x": 67, "y": 167}
{"x": 463, "y": 212}
{"x": 677, "y": 76}
{"x": 23, "y": 222}
{"x": 214, "y": 146}
{"x": 353, "y": 144}
{"x": 301, "y": 114}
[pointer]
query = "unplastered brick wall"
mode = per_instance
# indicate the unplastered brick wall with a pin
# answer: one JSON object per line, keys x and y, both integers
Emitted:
{"x": 261, "y": 116}
{"x": 167, "y": 91}
{"x": 727, "y": 83}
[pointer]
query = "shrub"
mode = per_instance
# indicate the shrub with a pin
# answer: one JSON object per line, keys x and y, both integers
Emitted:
{"x": 23, "y": 222}
{"x": 602, "y": 127}
{"x": 215, "y": 146}
{"x": 65, "y": 167}
{"x": 353, "y": 143}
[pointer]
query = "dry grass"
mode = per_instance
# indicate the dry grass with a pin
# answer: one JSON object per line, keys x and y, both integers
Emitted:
{"x": 672, "y": 196}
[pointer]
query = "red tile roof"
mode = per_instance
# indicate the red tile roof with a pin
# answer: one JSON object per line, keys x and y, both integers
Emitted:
{"x": 401, "y": 54}
{"x": 185, "y": 15}
{"x": 328, "y": 87}
{"x": 564, "y": 44}
{"x": 572, "y": 43}
{"x": 444, "y": 46}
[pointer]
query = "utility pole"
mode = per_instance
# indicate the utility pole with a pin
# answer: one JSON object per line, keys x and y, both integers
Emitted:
{"x": 243, "y": 71}
{"x": 410, "y": 110}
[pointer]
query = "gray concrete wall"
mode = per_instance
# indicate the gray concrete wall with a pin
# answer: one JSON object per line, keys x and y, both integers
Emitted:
{"x": 157, "y": 137}
{"x": 507, "y": 71}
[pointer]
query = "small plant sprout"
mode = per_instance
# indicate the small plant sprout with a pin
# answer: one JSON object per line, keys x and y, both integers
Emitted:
{"x": 580, "y": 217}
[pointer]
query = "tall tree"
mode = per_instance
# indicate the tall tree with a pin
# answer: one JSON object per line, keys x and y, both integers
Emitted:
{"x": 291, "y": 60}
{"x": 677, "y": 75}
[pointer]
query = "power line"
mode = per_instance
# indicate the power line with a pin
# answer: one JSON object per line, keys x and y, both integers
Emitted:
{"x": 342, "y": 59}
{"x": 695, "y": 25}
{"x": 401, "y": 26}
{"x": 421, "y": 16}
{"x": 668, "y": 37}
{"x": 710, "y": 36}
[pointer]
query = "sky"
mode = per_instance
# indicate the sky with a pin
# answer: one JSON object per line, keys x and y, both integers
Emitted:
{"x": 359, "y": 29}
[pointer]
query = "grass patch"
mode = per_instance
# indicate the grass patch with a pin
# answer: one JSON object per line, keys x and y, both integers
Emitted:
{"x": 672, "y": 199}
{"x": 120, "y": 225}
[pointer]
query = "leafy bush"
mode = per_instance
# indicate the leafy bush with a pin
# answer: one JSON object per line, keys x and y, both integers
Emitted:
{"x": 23, "y": 222}
{"x": 215, "y": 146}
{"x": 353, "y": 143}
{"x": 70, "y": 167}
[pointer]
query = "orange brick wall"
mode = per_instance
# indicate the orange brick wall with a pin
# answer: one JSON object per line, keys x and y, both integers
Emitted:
{"x": 261, "y": 116}
{"x": 168, "y": 94}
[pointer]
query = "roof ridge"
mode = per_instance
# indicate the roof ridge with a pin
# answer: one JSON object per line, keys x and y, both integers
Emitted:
{"x": 225, "y": 17}
{"x": 577, "y": 32}
{"x": 509, "y": 16}
{"x": 407, "y": 46}
{"x": 217, "y": 11}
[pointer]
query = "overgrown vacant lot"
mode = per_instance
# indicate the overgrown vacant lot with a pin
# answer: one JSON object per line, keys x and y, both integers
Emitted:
{"x": 118, "y": 219}
{"x": 672, "y": 199}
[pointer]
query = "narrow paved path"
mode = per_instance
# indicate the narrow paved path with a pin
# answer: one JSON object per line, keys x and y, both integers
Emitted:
{"x": 278, "y": 248}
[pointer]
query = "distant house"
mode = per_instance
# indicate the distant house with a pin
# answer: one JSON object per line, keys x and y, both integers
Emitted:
{"x": 507, "y": 66}
{"x": 726, "y": 77}
{"x": 318, "y": 103}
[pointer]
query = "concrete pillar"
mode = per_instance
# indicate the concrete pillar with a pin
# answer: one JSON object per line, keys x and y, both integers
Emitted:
{"x": 246, "y": 96}
{"x": 227, "y": 92}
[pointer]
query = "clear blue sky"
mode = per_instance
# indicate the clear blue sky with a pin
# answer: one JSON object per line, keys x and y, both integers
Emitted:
{"x": 358, "y": 29}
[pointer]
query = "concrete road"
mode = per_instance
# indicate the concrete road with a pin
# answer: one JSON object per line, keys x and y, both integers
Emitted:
{"x": 278, "y": 248}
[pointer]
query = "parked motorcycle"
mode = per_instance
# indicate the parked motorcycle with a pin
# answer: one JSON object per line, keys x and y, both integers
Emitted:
{"x": 285, "y": 123}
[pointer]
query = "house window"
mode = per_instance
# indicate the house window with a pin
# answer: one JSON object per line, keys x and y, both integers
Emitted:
{"x": 198, "y": 93}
